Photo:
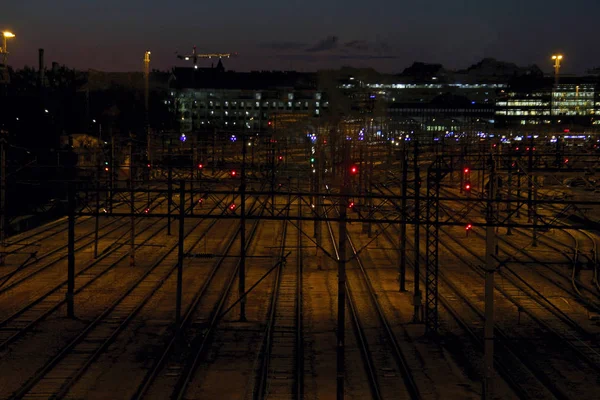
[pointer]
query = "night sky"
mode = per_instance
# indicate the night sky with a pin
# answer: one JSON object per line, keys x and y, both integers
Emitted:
{"x": 303, "y": 35}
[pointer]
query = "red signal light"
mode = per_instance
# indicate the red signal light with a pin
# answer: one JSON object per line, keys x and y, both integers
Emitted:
{"x": 566, "y": 160}
{"x": 354, "y": 170}
{"x": 106, "y": 169}
{"x": 148, "y": 165}
{"x": 269, "y": 123}
{"x": 200, "y": 166}
{"x": 467, "y": 186}
{"x": 351, "y": 204}
{"x": 232, "y": 207}
{"x": 466, "y": 170}
{"x": 280, "y": 158}
{"x": 233, "y": 173}
{"x": 147, "y": 211}
{"x": 468, "y": 227}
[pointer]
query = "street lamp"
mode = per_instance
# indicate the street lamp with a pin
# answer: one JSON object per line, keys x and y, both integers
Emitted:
{"x": 6, "y": 35}
{"x": 557, "y": 59}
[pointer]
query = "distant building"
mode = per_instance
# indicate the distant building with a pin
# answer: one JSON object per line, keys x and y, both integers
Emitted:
{"x": 574, "y": 103}
{"x": 208, "y": 99}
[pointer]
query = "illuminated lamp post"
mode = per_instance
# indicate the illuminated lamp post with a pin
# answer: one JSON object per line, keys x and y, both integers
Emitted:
{"x": 6, "y": 35}
{"x": 557, "y": 59}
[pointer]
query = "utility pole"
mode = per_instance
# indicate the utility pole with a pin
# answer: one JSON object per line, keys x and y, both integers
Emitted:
{"x": 180, "y": 253}
{"x": 404, "y": 216}
{"x": 169, "y": 189}
{"x": 341, "y": 322}
{"x": 530, "y": 180}
{"x": 71, "y": 251}
{"x": 509, "y": 196}
{"x": 97, "y": 217}
{"x": 112, "y": 169}
{"x": 490, "y": 268}
{"x": 132, "y": 207}
{"x": 3, "y": 197}
{"x": 242, "y": 269}
{"x": 417, "y": 261}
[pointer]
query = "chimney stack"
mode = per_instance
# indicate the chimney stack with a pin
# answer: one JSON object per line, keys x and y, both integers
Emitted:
{"x": 41, "y": 68}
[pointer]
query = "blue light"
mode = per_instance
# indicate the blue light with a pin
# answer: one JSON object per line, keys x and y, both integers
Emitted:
{"x": 183, "y": 138}
{"x": 233, "y": 138}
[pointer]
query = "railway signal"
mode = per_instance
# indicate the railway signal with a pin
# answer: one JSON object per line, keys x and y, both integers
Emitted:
{"x": 353, "y": 170}
{"x": 233, "y": 173}
{"x": 200, "y": 166}
{"x": 232, "y": 207}
{"x": 468, "y": 229}
{"x": 467, "y": 186}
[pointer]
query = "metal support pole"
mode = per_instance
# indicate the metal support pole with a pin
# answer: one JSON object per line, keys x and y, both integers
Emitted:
{"x": 242, "y": 269}
{"x": 490, "y": 248}
{"x": 530, "y": 181}
{"x": 534, "y": 212}
{"x": 169, "y": 192}
{"x": 2, "y": 199}
{"x": 71, "y": 252}
{"x": 509, "y": 196}
{"x": 370, "y": 191}
{"x": 132, "y": 209}
{"x": 97, "y": 218}
{"x": 518, "y": 192}
{"x": 404, "y": 218}
{"x": 341, "y": 320}
{"x": 417, "y": 260}
{"x": 112, "y": 170}
{"x": 180, "y": 253}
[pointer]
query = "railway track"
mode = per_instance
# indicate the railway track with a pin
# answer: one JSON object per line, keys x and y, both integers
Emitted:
{"x": 174, "y": 361}
{"x": 55, "y": 378}
{"x": 381, "y": 351}
{"x": 280, "y": 372}
{"x": 198, "y": 329}
{"x": 27, "y": 317}
{"x": 525, "y": 379}
{"x": 473, "y": 301}
{"x": 32, "y": 267}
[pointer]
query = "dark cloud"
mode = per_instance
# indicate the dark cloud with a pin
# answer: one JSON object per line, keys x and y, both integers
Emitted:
{"x": 357, "y": 45}
{"x": 367, "y": 57}
{"x": 329, "y": 43}
{"x": 284, "y": 45}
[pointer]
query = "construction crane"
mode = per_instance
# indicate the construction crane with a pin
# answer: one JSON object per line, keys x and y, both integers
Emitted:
{"x": 195, "y": 56}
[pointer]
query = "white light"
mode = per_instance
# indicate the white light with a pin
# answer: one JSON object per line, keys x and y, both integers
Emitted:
{"x": 94, "y": 121}
{"x": 45, "y": 111}
{"x": 195, "y": 67}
